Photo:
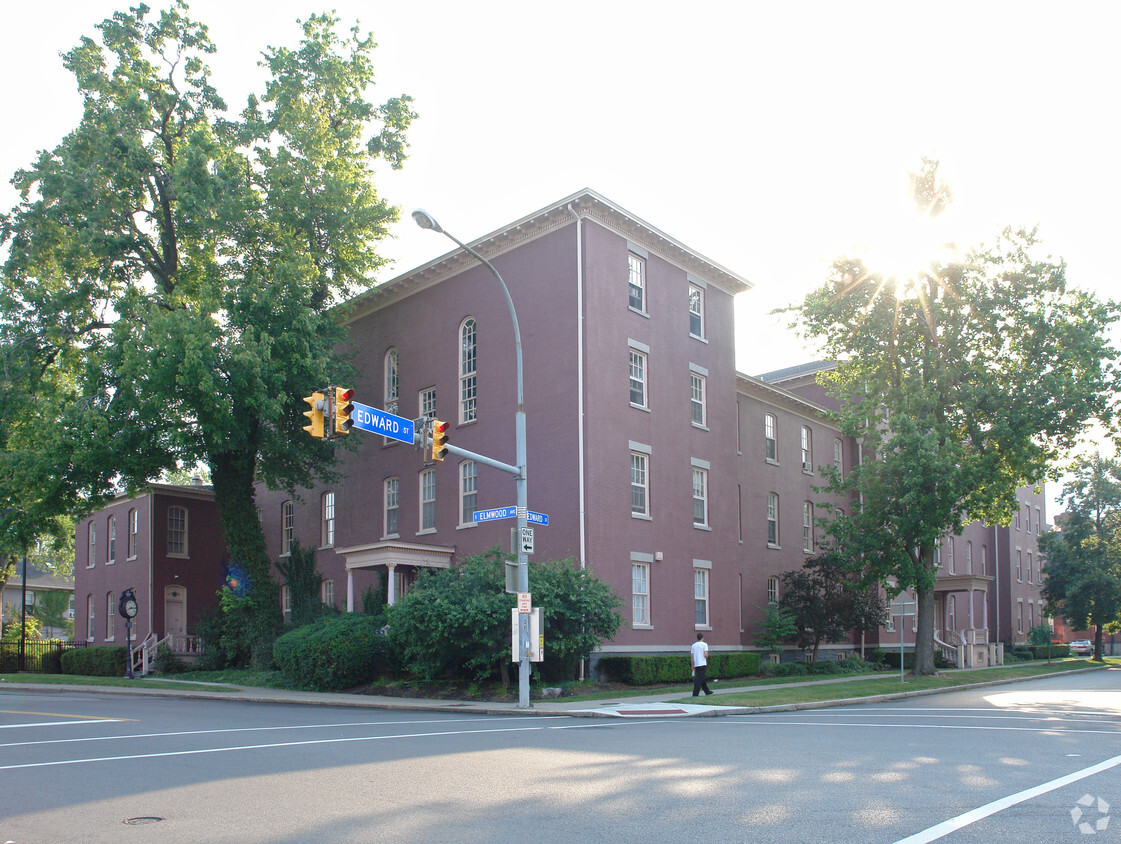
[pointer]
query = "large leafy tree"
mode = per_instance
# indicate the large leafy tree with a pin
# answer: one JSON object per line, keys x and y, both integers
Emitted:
{"x": 1082, "y": 574}
{"x": 828, "y": 600}
{"x": 171, "y": 271}
{"x": 964, "y": 381}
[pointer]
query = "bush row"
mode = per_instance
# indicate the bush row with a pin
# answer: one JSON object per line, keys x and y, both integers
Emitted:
{"x": 333, "y": 653}
{"x": 648, "y": 670}
{"x": 99, "y": 661}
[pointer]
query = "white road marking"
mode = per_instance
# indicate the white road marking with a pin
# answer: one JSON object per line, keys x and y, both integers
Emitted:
{"x": 302, "y": 743}
{"x": 953, "y": 824}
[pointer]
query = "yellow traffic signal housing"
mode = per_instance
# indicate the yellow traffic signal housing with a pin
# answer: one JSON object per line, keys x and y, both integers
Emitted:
{"x": 315, "y": 415}
{"x": 343, "y": 408}
{"x": 439, "y": 439}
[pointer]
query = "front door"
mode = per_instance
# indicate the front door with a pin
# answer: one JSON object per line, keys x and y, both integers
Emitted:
{"x": 175, "y": 611}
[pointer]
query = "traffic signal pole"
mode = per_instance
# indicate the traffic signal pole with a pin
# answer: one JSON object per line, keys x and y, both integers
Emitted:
{"x": 427, "y": 221}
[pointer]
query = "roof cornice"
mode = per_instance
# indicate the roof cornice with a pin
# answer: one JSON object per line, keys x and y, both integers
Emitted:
{"x": 750, "y": 385}
{"x": 584, "y": 204}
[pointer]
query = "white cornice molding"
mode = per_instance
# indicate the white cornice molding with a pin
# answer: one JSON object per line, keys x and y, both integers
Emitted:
{"x": 751, "y": 386}
{"x": 585, "y": 204}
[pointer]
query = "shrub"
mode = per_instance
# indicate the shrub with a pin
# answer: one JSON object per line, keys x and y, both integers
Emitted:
{"x": 649, "y": 670}
{"x": 167, "y": 662}
{"x": 1056, "y": 652}
{"x": 100, "y": 661}
{"x": 333, "y": 653}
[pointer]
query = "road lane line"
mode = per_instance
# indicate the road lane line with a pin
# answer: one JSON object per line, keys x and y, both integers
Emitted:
{"x": 953, "y": 824}
{"x": 253, "y": 730}
{"x": 57, "y": 723}
{"x": 750, "y": 721}
{"x": 308, "y": 742}
{"x": 62, "y": 715}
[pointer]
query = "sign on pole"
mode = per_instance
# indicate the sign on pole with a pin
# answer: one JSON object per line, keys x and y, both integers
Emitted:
{"x": 525, "y": 541}
{"x": 524, "y": 602}
{"x": 376, "y": 421}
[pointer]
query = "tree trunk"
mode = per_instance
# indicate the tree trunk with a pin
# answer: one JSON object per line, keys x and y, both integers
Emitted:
{"x": 232, "y": 475}
{"x": 924, "y": 638}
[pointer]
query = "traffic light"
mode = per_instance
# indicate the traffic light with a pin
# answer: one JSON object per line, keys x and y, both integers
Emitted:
{"x": 439, "y": 439}
{"x": 343, "y": 409}
{"x": 315, "y": 415}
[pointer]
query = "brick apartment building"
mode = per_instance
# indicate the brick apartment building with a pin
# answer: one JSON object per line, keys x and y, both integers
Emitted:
{"x": 685, "y": 485}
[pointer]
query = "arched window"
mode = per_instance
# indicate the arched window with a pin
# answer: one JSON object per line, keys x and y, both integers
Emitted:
{"x": 392, "y": 381}
{"x": 468, "y": 375}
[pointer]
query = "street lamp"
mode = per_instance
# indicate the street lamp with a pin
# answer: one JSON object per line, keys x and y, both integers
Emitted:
{"x": 427, "y": 221}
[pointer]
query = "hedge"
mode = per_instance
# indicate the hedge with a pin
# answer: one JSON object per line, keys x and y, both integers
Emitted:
{"x": 99, "y": 661}
{"x": 648, "y": 670}
{"x": 332, "y": 653}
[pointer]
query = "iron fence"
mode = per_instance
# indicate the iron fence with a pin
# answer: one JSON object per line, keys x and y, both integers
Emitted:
{"x": 39, "y": 657}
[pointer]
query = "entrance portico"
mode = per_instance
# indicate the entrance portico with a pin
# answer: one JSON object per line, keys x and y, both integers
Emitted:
{"x": 390, "y": 554}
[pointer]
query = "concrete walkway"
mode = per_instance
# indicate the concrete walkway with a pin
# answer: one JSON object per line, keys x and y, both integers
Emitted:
{"x": 664, "y": 704}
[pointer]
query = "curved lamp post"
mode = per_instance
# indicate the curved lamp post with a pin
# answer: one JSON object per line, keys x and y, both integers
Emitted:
{"x": 427, "y": 221}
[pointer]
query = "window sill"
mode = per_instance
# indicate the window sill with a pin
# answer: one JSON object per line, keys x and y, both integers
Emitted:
{"x": 386, "y": 536}
{"x": 702, "y": 626}
{"x": 698, "y": 337}
{"x": 646, "y": 517}
{"x": 642, "y": 627}
{"x": 701, "y": 527}
{"x": 772, "y": 461}
{"x": 774, "y": 547}
{"x": 642, "y": 407}
{"x": 634, "y": 310}
{"x": 110, "y": 562}
{"x": 701, "y": 426}
{"x": 130, "y": 558}
{"x": 178, "y": 556}
{"x": 425, "y": 531}
{"x": 466, "y": 526}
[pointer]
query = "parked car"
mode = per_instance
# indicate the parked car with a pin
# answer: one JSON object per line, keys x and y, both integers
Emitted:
{"x": 1082, "y": 647}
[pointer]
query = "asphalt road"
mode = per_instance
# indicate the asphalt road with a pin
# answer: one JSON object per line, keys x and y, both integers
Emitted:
{"x": 1027, "y": 762}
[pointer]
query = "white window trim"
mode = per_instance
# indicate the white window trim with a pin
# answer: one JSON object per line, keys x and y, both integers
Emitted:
{"x": 647, "y": 565}
{"x": 637, "y": 256}
{"x": 390, "y": 490}
{"x": 463, "y": 492}
{"x": 701, "y": 288}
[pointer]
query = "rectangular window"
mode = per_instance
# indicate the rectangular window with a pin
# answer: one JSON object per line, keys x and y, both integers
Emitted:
{"x": 700, "y": 597}
{"x": 636, "y": 282}
{"x": 640, "y": 594}
{"x": 428, "y": 499}
{"x": 428, "y": 403}
{"x": 839, "y": 457}
{"x": 327, "y": 593}
{"x": 1038, "y": 522}
{"x": 772, "y": 519}
{"x": 91, "y": 628}
{"x": 1029, "y": 567}
{"x": 468, "y": 491}
{"x": 952, "y": 612}
{"x": 285, "y": 599}
{"x": 110, "y": 616}
{"x": 1020, "y": 616}
{"x": 984, "y": 561}
{"x": 697, "y": 399}
{"x": 807, "y": 450}
{"x": 770, "y": 425}
{"x": 807, "y": 527}
{"x": 968, "y": 557}
{"x": 700, "y": 497}
{"x": 1019, "y": 566}
{"x": 133, "y": 530}
{"x": 772, "y": 590}
{"x": 112, "y": 539}
{"x": 696, "y": 311}
{"x": 328, "y": 537}
{"x": 92, "y": 559}
{"x": 392, "y": 505}
{"x": 640, "y": 498}
{"x": 638, "y": 378}
{"x": 177, "y": 531}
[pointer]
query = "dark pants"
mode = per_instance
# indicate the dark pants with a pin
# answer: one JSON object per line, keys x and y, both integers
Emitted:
{"x": 699, "y": 680}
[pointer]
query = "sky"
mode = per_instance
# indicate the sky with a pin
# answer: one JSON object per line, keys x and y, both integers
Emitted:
{"x": 769, "y": 137}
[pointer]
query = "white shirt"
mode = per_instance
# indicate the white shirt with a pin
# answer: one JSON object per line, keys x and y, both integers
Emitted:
{"x": 700, "y": 653}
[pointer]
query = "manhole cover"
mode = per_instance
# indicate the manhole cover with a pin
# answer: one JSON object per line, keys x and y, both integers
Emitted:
{"x": 143, "y": 820}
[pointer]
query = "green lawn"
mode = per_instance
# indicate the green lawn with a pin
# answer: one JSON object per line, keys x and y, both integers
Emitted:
{"x": 884, "y": 683}
{"x": 78, "y": 680}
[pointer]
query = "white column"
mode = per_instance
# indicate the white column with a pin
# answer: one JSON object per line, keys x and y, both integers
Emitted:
{"x": 391, "y": 586}
{"x": 350, "y": 590}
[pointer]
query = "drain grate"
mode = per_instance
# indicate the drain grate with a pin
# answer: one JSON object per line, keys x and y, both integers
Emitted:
{"x": 136, "y": 821}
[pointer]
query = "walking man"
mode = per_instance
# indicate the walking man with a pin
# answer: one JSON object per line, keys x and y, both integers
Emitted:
{"x": 698, "y": 658}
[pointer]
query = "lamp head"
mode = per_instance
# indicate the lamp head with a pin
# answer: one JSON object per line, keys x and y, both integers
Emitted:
{"x": 426, "y": 220}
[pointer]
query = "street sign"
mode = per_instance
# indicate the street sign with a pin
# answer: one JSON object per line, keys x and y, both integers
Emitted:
{"x": 490, "y": 515}
{"x": 509, "y": 513}
{"x": 525, "y": 602}
{"x": 525, "y": 542}
{"x": 376, "y": 421}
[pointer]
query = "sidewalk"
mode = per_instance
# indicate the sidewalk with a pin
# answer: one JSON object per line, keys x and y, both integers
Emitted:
{"x": 662, "y": 704}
